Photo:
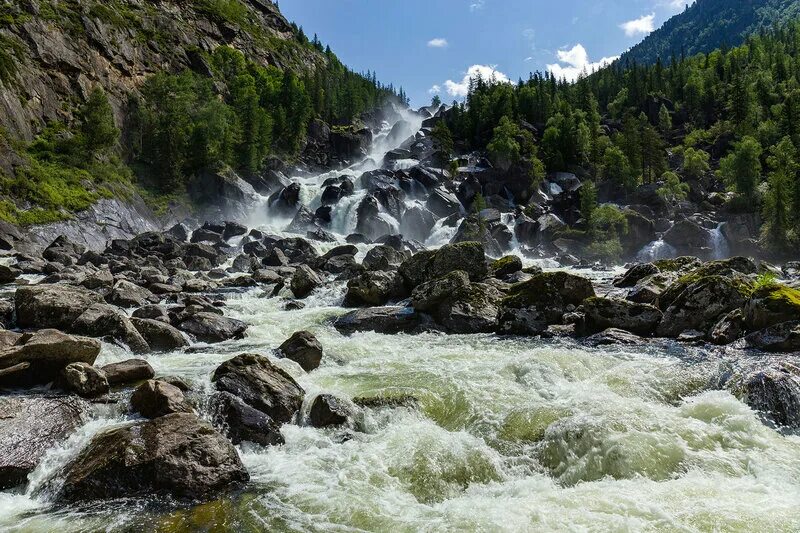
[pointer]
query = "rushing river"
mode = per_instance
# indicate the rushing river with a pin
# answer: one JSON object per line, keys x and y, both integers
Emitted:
{"x": 507, "y": 435}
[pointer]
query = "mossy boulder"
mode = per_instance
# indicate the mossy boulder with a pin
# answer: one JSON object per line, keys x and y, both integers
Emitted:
{"x": 470, "y": 309}
{"x": 428, "y": 296}
{"x": 678, "y": 264}
{"x": 603, "y": 313}
{"x": 431, "y": 265}
{"x": 702, "y": 302}
{"x": 734, "y": 267}
{"x": 648, "y": 289}
{"x": 505, "y": 266}
{"x": 772, "y": 305}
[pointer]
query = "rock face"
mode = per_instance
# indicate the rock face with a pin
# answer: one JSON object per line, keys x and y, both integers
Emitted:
{"x": 603, "y": 313}
{"x": 30, "y": 426}
{"x": 541, "y": 301}
{"x": 261, "y": 385}
{"x": 240, "y": 422}
{"x": 176, "y": 455}
{"x": 304, "y": 349}
{"x": 52, "y": 306}
{"x": 155, "y": 398}
{"x": 774, "y": 391}
{"x": 701, "y": 304}
{"x": 43, "y": 355}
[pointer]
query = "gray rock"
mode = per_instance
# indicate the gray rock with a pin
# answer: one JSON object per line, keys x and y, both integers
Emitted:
{"x": 774, "y": 391}
{"x": 604, "y": 313}
{"x": 389, "y": 320}
{"x": 729, "y": 329}
{"x": 701, "y": 305}
{"x": 304, "y": 281}
{"x": 127, "y": 294}
{"x": 374, "y": 288}
{"x": 40, "y": 357}
{"x": 52, "y": 306}
{"x": 328, "y": 410}
{"x": 428, "y": 296}
{"x": 85, "y": 380}
{"x": 240, "y": 422}
{"x": 128, "y": 371}
{"x": 211, "y": 327}
{"x": 304, "y": 349}
{"x": 160, "y": 336}
{"x": 155, "y": 398}
{"x": 784, "y": 337}
{"x": 102, "y": 320}
{"x": 177, "y": 455}
{"x": 383, "y": 257}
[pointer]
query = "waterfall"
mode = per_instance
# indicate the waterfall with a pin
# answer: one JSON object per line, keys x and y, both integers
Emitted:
{"x": 720, "y": 249}
{"x": 656, "y": 250}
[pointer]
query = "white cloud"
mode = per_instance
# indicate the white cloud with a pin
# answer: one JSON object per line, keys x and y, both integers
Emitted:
{"x": 436, "y": 89}
{"x": 677, "y": 5}
{"x": 576, "y": 62}
{"x": 461, "y": 88}
{"x": 477, "y": 4}
{"x": 439, "y": 42}
{"x": 641, "y": 26}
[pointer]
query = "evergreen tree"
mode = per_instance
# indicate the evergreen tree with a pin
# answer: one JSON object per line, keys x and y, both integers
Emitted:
{"x": 742, "y": 168}
{"x": 783, "y": 166}
{"x": 99, "y": 133}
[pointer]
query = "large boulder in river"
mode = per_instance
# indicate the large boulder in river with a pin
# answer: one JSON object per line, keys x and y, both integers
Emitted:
{"x": 604, "y": 313}
{"x": 770, "y": 305}
{"x": 688, "y": 237}
{"x": 128, "y": 371}
{"x": 388, "y": 320}
{"x": 211, "y": 327}
{"x": 240, "y": 422}
{"x": 541, "y": 301}
{"x": 85, "y": 380}
{"x": 32, "y": 425}
{"x": 774, "y": 391}
{"x": 429, "y": 295}
{"x": 328, "y": 410}
{"x": 161, "y": 336}
{"x": 40, "y": 357}
{"x": 103, "y": 320}
{"x": 127, "y": 294}
{"x": 374, "y": 288}
{"x": 52, "y": 306}
{"x": 177, "y": 455}
{"x": 383, "y": 257}
{"x": 430, "y": 265}
{"x": 261, "y": 385}
{"x": 304, "y": 281}
{"x": 700, "y": 305}
{"x": 155, "y": 398}
{"x": 783, "y": 337}
{"x": 470, "y": 309}
{"x": 304, "y": 349}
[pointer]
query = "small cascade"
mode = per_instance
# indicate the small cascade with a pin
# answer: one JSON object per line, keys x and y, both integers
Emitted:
{"x": 656, "y": 250}
{"x": 720, "y": 249}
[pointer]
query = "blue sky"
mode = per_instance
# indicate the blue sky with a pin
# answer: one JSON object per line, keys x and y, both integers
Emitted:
{"x": 432, "y": 45}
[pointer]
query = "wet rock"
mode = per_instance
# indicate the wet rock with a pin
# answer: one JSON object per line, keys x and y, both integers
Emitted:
{"x": 102, "y": 279}
{"x": 430, "y": 265}
{"x": 155, "y": 398}
{"x": 128, "y": 371}
{"x": 32, "y": 425}
{"x": 177, "y": 455}
{"x": 328, "y": 410}
{"x": 106, "y": 321}
{"x": 374, "y": 288}
{"x": 613, "y": 336}
{"x": 604, "y": 313}
{"x": 304, "y": 349}
{"x": 635, "y": 274}
{"x": 369, "y": 222}
{"x": 649, "y": 289}
{"x": 240, "y": 422}
{"x": 52, "y": 306}
{"x": 8, "y": 274}
{"x": 428, "y": 296}
{"x": 160, "y": 336}
{"x": 417, "y": 223}
{"x": 40, "y": 357}
{"x": 729, "y": 329}
{"x": 179, "y": 232}
{"x": 701, "y": 304}
{"x": 233, "y": 229}
{"x": 442, "y": 202}
{"x": 772, "y": 305}
{"x": 784, "y": 337}
{"x": 383, "y": 257}
{"x": 127, "y": 294}
{"x": 388, "y": 320}
{"x": 153, "y": 312}
{"x": 774, "y": 391}
{"x": 541, "y": 301}
{"x": 261, "y": 385}
{"x": 211, "y": 327}
{"x": 505, "y": 266}
{"x": 304, "y": 281}
{"x": 471, "y": 309}
{"x": 85, "y": 380}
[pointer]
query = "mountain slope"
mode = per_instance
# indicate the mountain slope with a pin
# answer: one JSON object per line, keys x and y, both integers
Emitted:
{"x": 710, "y": 24}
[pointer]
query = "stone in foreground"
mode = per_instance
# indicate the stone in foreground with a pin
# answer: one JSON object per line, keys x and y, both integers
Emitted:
{"x": 304, "y": 349}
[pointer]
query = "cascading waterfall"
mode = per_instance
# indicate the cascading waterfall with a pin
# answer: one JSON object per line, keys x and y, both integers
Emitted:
{"x": 720, "y": 249}
{"x": 656, "y": 250}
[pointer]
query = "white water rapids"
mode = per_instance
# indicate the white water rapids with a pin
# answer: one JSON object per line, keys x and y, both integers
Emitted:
{"x": 509, "y": 434}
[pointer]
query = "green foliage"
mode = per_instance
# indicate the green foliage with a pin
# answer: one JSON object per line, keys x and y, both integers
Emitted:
{"x": 766, "y": 280}
{"x": 443, "y": 139}
{"x": 617, "y": 168}
{"x": 664, "y": 119}
{"x": 673, "y": 189}
{"x": 695, "y": 162}
{"x": 607, "y": 225}
{"x": 504, "y": 148}
{"x": 98, "y": 130}
{"x": 741, "y": 169}
{"x": 783, "y": 166}
{"x": 588, "y": 196}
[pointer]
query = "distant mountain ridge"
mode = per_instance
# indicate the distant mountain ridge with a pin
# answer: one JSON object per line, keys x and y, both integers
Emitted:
{"x": 710, "y": 24}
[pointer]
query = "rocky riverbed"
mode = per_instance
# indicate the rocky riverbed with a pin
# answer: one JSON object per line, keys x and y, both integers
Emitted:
{"x": 226, "y": 375}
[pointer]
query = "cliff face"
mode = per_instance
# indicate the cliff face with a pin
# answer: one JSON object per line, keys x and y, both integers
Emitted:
{"x": 54, "y": 52}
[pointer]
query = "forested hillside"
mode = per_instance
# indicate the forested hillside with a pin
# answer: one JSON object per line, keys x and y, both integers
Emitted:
{"x": 109, "y": 99}
{"x": 725, "y": 121}
{"x": 710, "y": 24}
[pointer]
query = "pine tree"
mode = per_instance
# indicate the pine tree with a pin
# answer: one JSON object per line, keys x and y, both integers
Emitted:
{"x": 99, "y": 133}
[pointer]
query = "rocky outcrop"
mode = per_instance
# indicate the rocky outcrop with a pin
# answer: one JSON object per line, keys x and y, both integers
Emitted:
{"x": 52, "y": 306}
{"x": 701, "y": 304}
{"x": 177, "y": 455}
{"x": 774, "y": 391}
{"x": 40, "y": 357}
{"x": 155, "y": 398}
{"x": 304, "y": 349}
{"x": 604, "y": 313}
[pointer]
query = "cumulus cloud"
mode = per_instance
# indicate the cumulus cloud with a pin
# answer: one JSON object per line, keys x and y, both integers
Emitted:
{"x": 460, "y": 89}
{"x": 641, "y": 26}
{"x": 575, "y": 61}
{"x": 436, "y": 89}
{"x": 677, "y": 5}
{"x": 439, "y": 42}
{"x": 477, "y": 4}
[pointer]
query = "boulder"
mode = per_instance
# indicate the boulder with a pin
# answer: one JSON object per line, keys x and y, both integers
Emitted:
{"x": 8, "y": 274}
{"x": 160, "y": 336}
{"x": 102, "y": 279}
{"x": 471, "y": 309}
{"x": 155, "y": 398}
{"x": 688, "y": 237}
{"x": 128, "y": 371}
{"x": 304, "y": 349}
{"x": 328, "y": 410}
{"x": 774, "y": 391}
{"x": 541, "y": 301}
{"x": 177, "y": 456}
{"x": 613, "y": 336}
{"x": 771, "y": 305}
{"x": 388, "y": 320}
{"x": 430, "y": 265}
{"x": 701, "y": 305}
{"x": 635, "y": 274}
{"x": 40, "y": 357}
{"x": 603, "y": 313}
{"x": 505, "y": 266}
{"x": 127, "y": 294}
{"x": 374, "y": 288}
{"x": 304, "y": 281}
{"x": 240, "y": 422}
{"x": 261, "y": 385}
{"x": 784, "y": 337}
{"x": 428, "y": 296}
{"x": 85, "y": 380}
{"x": 383, "y": 257}
{"x": 648, "y": 289}
{"x": 106, "y": 321}
{"x": 729, "y": 329}
{"x": 417, "y": 223}
{"x": 31, "y": 426}
{"x": 52, "y": 306}
{"x": 211, "y": 327}
{"x": 442, "y": 202}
